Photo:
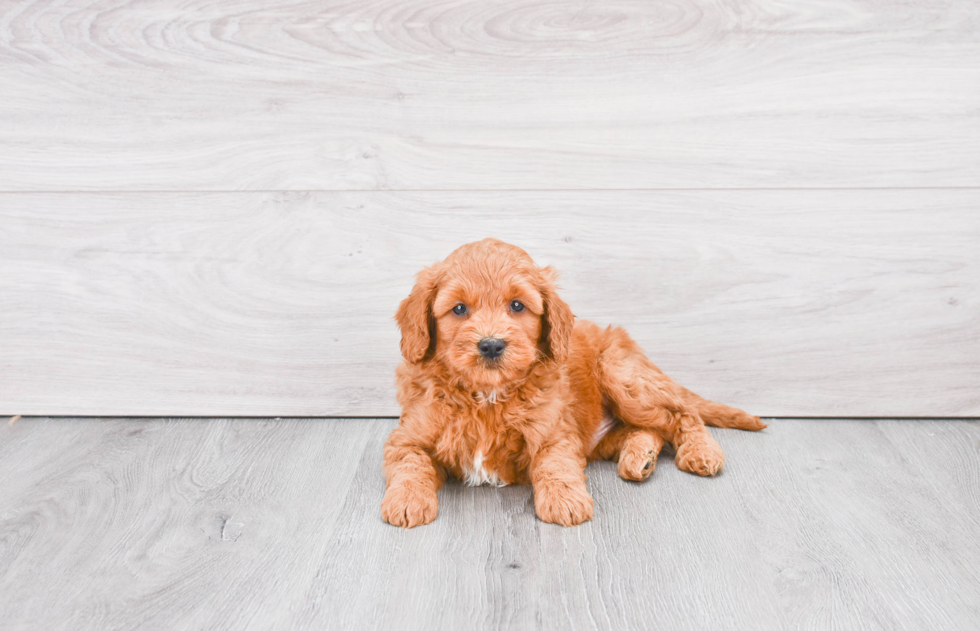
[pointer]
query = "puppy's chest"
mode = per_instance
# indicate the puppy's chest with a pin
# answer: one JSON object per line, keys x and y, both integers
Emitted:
{"x": 480, "y": 453}
{"x": 480, "y": 470}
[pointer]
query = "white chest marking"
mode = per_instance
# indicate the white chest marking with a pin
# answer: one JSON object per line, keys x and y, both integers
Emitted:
{"x": 478, "y": 475}
{"x": 608, "y": 423}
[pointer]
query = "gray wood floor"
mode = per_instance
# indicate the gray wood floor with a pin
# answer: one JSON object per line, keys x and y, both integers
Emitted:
{"x": 247, "y": 523}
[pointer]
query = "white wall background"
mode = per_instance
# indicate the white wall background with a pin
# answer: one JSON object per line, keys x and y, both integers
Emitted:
{"x": 214, "y": 208}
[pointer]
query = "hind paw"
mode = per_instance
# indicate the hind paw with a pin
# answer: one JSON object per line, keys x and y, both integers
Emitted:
{"x": 638, "y": 455}
{"x": 637, "y": 465}
{"x": 700, "y": 455}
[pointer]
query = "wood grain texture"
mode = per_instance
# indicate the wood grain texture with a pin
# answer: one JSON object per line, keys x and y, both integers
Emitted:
{"x": 786, "y": 303}
{"x": 242, "y": 524}
{"x": 854, "y": 537}
{"x": 410, "y": 95}
{"x": 945, "y": 457}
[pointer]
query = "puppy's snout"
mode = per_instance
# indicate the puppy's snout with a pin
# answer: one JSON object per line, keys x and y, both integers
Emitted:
{"x": 491, "y": 347}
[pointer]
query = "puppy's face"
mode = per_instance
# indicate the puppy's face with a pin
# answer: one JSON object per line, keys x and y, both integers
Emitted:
{"x": 487, "y": 313}
{"x": 488, "y": 327}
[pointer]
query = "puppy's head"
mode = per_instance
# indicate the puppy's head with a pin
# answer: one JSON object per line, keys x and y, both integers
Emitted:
{"x": 487, "y": 313}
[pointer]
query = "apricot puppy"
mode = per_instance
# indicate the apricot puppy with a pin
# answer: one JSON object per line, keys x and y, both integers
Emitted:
{"x": 500, "y": 385}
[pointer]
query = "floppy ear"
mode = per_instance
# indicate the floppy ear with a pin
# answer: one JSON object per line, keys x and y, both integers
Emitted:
{"x": 415, "y": 319}
{"x": 557, "y": 320}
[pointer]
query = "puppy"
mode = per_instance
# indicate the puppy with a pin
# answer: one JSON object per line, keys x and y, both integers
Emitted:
{"x": 500, "y": 385}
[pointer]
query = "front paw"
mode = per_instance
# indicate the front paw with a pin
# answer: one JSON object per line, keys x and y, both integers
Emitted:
{"x": 563, "y": 504}
{"x": 409, "y": 505}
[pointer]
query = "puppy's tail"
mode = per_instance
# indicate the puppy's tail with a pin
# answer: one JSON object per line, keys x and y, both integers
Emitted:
{"x": 721, "y": 415}
{"x": 741, "y": 420}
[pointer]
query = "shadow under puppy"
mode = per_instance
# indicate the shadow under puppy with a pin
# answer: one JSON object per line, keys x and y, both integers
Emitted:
{"x": 500, "y": 385}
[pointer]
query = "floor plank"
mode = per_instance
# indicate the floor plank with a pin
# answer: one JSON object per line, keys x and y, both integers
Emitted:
{"x": 785, "y": 303}
{"x": 853, "y": 537}
{"x": 164, "y": 523}
{"x": 407, "y": 95}
{"x": 944, "y": 455}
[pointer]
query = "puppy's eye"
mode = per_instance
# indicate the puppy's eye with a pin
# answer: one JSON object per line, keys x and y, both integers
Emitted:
{"x": 459, "y": 309}
{"x": 516, "y": 306}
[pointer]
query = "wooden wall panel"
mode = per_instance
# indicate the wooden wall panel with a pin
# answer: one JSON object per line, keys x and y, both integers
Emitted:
{"x": 416, "y": 95}
{"x": 214, "y": 208}
{"x": 788, "y": 303}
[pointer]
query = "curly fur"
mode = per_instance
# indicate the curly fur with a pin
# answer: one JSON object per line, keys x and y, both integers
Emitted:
{"x": 561, "y": 394}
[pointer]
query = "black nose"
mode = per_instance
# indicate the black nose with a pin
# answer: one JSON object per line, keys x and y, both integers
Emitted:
{"x": 491, "y": 347}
